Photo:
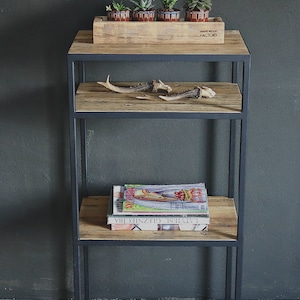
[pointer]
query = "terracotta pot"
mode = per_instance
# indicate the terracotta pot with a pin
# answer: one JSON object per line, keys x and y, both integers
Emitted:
{"x": 123, "y": 15}
{"x": 197, "y": 16}
{"x": 144, "y": 16}
{"x": 168, "y": 16}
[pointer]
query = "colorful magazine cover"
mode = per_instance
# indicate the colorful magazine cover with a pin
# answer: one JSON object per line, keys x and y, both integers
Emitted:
{"x": 166, "y": 199}
{"x": 115, "y": 214}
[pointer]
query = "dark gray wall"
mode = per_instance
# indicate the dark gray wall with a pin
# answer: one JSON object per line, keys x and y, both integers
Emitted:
{"x": 35, "y": 252}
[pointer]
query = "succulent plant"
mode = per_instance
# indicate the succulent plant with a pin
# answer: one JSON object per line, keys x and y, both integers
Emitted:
{"x": 168, "y": 4}
{"x": 118, "y": 6}
{"x": 143, "y": 5}
{"x": 197, "y": 4}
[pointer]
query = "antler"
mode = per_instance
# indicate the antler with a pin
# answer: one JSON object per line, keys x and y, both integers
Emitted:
{"x": 195, "y": 93}
{"x": 154, "y": 86}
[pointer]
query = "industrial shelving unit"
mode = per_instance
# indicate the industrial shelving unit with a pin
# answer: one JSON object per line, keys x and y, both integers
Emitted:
{"x": 90, "y": 100}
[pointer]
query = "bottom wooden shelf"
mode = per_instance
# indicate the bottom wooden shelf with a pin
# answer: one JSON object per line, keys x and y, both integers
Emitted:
{"x": 92, "y": 224}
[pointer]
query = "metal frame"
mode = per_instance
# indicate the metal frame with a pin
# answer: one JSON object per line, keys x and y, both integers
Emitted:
{"x": 238, "y": 62}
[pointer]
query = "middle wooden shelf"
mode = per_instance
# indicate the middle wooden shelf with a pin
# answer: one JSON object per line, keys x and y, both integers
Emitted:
{"x": 92, "y": 97}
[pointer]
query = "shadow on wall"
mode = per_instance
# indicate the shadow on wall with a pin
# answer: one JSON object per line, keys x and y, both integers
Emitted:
{"x": 36, "y": 252}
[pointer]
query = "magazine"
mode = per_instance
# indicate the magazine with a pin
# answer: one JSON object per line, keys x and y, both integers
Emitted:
{"x": 115, "y": 214}
{"x": 165, "y": 199}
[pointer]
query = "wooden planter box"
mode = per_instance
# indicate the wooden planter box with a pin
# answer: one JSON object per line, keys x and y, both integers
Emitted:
{"x": 108, "y": 32}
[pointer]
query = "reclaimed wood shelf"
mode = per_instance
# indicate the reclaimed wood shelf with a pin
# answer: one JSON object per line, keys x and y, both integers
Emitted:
{"x": 93, "y": 214}
{"x": 92, "y": 97}
{"x": 233, "y": 45}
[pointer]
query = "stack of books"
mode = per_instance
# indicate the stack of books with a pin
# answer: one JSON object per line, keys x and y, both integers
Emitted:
{"x": 159, "y": 207}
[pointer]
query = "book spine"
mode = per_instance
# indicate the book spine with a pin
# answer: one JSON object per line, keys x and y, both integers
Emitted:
{"x": 158, "y": 220}
{"x": 117, "y": 199}
{"x": 159, "y": 227}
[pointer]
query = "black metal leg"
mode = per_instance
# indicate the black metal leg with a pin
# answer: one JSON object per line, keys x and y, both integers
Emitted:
{"x": 86, "y": 272}
{"x": 235, "y": 71}
{"x": 232, "y": 151}
{"x": 232, "y": 148}
{"x": 228, "y": 273}
{"x": 74, "y": 181}
{"x": 238, "y": 275}
{"x": 83, "y": 157}
{"x": 242, "y": 182}
{"x": 77, "y": 272}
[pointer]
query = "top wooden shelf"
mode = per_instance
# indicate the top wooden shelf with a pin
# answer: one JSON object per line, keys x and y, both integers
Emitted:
{"x": 233, "y": 45}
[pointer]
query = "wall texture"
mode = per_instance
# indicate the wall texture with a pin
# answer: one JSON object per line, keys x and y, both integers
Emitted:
{"x": 35, "y": 220}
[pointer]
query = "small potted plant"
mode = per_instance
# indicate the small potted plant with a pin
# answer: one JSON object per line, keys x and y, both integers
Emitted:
{"x": 117, "y": 11}
{"x": 197, "y": 10}
{"x": 143, "y": 10}
{"x": 168, "y": 12}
